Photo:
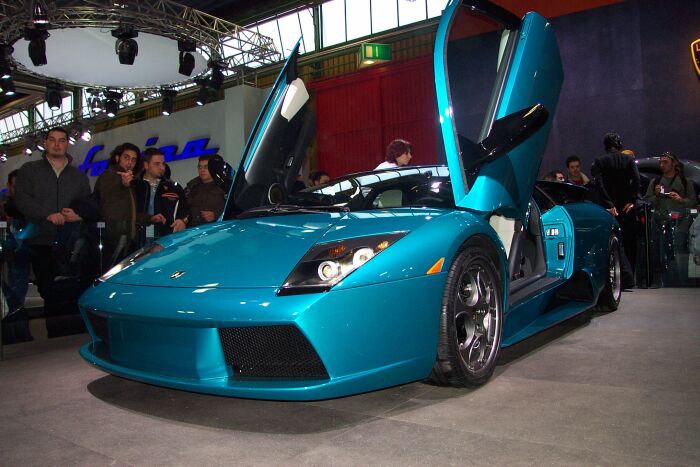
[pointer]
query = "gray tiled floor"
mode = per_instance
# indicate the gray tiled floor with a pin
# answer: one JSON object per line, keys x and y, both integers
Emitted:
{"x": 615, "y": 389}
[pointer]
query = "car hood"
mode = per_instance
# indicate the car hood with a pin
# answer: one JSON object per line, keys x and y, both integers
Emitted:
{"x": 259, "y": 252}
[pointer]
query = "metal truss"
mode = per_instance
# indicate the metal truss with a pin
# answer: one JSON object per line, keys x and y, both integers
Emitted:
{"x": 222, "y": 41}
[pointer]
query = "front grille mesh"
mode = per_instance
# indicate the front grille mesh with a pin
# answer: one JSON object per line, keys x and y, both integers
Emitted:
{"x": 271, "y": 352}
{"x": 100, "y": 326}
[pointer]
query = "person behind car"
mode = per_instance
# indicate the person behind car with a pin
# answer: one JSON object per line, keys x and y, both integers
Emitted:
{"x": 161, "y": 199}
{"x": 115, "y": 195}
{"x": 554, "y": 176}
{"x": 45, "y": 190}
{"x": 671, "y": 191}
{"x": 206, "y": 200}
{"x": 398, "y": 153}
{"x": 617, "y": 182}
{"x": 671, "y": 195}
{"x": 319, "y": 177}
{"x": 573, "y": 167}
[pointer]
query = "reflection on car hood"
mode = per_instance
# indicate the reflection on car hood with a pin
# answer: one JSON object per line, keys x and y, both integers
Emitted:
{"x": 259, "y": 252}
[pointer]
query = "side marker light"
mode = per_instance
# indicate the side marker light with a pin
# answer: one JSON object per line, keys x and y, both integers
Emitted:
{"x": 437, "y": 267}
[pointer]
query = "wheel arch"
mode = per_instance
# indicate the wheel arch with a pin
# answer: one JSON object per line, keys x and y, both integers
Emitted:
{"x": 492, "y": 245}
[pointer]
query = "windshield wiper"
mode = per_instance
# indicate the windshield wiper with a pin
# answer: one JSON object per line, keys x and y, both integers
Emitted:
{"x": 282, "y": 209}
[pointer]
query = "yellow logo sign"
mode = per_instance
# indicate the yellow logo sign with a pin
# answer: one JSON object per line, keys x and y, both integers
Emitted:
{"x": 695, "y": 52}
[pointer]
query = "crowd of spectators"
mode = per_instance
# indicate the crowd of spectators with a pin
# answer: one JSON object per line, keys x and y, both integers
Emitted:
{"x": 615, "y": 184}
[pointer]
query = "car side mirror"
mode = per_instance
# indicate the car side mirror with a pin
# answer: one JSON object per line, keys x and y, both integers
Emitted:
{"x": 506, "y": 133}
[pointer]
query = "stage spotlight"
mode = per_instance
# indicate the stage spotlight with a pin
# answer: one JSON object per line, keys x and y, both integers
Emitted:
{"x": 8, "y": 87}
{"x": 37, "y": 44}
{"x": 4, "y": 153}
{"x": 40, "y": 14}
{"x": 5, "y": 70}
{"x": 217, "y": 75}
{"x": 40, "y": 145}
{"x": 86, "y": 135}
{"x": 53, "y": 95}
{"x": 126, "y": 47}
{"x": 112, "y": 102}
{"x": 186, "y": 57}
{"x": 168, "y": 100}
{"x": 203, "y": 95}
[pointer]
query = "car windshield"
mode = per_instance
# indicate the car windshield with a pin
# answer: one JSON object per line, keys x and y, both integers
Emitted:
{"x": 396, "y": 188}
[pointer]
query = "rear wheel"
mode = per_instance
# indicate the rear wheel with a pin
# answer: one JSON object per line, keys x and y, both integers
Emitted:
{"x": 609, "y": 298}
{"x": 471, "y": 321}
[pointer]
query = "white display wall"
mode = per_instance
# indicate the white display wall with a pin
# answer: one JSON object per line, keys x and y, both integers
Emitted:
{"x": 220, "y": 127}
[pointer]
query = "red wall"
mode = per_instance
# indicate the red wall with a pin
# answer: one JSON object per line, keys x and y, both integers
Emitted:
{"x": 359, "y": 114}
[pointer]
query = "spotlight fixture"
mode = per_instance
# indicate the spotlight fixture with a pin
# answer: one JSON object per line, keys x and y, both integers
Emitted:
{"x": 203, "y": 95}
{"x": 217, "y": 75}
{"x": 37, "y": 44}
{"x": 186, "y": 57}
{"x": 93, "y": 101}
{"x": 112, "y": 102}
{"x": 8, "y": 87}
{"x": 40, "y": 14}
{"x": 126, "y": 47}
{"x": 168, "y": 100}
{"x": 39, "y": 144}
{"x": 28, "y": 149}
{"x": 5, "y": 70}
{"x": 4, "y": 153}
{"x": 86, "y": 135}
{"x": 53, "y": 95}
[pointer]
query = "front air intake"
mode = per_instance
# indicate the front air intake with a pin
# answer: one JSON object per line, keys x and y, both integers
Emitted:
{"x": 100, "y": 326}
{"x": 270, "y": 352}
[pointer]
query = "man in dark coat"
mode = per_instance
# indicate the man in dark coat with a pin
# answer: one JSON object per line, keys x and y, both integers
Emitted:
{"x": 46, "y": 188}
{"x": 617, "y": 181}
{"x": 161, "y": 200}
{"x": 117, "y": 202}
{"x": 206, "y": 200}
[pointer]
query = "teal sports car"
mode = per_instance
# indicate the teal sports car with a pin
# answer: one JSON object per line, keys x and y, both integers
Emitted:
{"x": 378, "y": 278}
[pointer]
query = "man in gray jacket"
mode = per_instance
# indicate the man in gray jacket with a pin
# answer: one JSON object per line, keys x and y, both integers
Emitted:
{"x": 44, "y": 193}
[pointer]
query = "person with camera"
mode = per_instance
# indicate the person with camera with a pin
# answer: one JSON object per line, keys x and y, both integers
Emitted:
{"x": 670, "y": 195}
{"x": 671, "y": 191}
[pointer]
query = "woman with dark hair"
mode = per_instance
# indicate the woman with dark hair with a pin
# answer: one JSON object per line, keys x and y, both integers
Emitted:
{"x": 398, "y": 154}
{"x": 115, "y": 196}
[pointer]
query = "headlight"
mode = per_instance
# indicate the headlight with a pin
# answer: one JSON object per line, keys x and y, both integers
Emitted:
{"x": 131, "y": 259}
{"x": 327, "y": 264}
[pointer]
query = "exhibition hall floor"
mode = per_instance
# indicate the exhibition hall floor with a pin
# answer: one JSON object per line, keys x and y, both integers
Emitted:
{"x": 602, "y": 389}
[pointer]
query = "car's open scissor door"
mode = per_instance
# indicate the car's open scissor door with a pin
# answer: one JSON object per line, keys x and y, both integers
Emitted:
{"x": 497, "y": 78}
{"x": 277, "y": 144}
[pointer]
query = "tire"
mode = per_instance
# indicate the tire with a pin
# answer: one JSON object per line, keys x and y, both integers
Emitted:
{"x": 609, "y": 298}
{"x": 471, "y": 321}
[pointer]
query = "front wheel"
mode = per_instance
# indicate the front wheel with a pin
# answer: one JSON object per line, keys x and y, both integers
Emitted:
{"x": 471, "y": 321}
{"x": 609, "y": 298}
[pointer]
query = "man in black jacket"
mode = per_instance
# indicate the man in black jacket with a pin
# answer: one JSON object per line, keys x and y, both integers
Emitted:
{"x": 45, "y": 190}
{"x": 161, "y": 199}
{"x": 617, "y": 181}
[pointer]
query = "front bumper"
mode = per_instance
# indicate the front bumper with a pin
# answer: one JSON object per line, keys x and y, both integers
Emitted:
{"x": 363, "y": 338}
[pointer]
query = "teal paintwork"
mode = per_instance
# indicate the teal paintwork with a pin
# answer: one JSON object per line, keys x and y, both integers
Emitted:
{"x": 379, "y": 325}
{"x": 534, "y": 75}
